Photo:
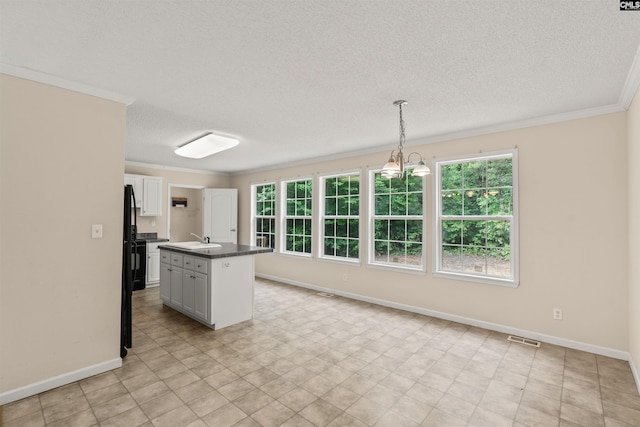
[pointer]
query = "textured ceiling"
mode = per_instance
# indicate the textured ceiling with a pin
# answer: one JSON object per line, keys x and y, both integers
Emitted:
{"x": 298, "y": 80}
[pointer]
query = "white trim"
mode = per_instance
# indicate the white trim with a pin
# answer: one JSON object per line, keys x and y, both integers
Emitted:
{"x": 632, "y": 82}
{"x": 173, "y": 168}
{"x": 564, "y": 342}
{"x": 51, "y": 80}
{"x": 634, "y": 371}
{"x": 57, "y": 381}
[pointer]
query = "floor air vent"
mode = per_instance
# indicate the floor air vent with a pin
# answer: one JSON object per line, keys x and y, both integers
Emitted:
{"x": 325, "y": 294}
{"x": 524, "y": 341}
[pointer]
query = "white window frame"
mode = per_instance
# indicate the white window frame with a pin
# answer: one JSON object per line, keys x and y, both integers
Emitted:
{"x": 371, "y": 217}
{"x": 513, "y": 280}
{"x": 254, "y": 215}
{"x": 321, "y": 191}
{"x": 284, "y": 216}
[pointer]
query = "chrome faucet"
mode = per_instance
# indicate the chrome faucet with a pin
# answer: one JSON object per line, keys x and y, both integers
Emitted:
{"x": 202, "y": 239}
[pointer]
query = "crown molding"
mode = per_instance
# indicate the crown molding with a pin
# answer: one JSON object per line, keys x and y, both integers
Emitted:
{"x": 51, "y": 80}
{"x": 173, "y": 168}
{"x": 632, "y": 83}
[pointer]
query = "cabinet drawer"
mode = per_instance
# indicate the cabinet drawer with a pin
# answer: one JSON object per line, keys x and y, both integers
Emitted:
{"x": 165, "y": 257}
{"x": 176, "y": 259}
{"x": 201, "y": 265}
{"x": 153, "y": 247}
{"x": 189, "y": 262}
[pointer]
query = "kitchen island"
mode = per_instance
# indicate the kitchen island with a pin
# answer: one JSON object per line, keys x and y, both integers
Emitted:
{"x": 211, "y": 285}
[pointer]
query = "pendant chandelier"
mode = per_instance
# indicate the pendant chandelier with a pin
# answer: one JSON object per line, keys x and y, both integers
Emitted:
{"x": 396, "y": 164}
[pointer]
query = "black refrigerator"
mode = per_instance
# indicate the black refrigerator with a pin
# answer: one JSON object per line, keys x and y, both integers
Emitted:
{"x": 128, "y": 272}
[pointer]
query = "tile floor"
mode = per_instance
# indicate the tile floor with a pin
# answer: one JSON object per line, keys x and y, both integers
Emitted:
{"x": 309, "y": 360}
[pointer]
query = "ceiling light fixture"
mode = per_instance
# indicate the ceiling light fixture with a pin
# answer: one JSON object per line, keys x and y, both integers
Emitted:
{"x": 205, "y": 146}
{"x": 396, "y": 164}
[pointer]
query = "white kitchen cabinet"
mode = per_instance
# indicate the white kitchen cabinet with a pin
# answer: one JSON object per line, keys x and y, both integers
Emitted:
{"x": 153, "y": 264}
{"x": 218, "y": 292}
{"x": 151, "y": 196}
{"x": 148, "y": 192}
{"x": 136, "y": 182}
{"x": 165, "y": 282}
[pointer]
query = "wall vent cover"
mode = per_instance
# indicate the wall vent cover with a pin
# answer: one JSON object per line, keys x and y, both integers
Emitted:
{"x": 325, "y": 294}
{"x": 524, "y": 341}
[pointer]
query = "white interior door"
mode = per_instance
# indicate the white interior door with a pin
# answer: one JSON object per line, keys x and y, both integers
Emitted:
{"x": 220, "y": 214}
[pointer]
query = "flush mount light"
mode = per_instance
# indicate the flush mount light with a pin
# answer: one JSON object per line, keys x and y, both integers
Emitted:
{"x": 396, "y": 164}
{"x": 205, "y": 146}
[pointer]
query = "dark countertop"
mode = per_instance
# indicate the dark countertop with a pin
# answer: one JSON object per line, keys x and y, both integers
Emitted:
{"x": 227, "y": 250}
{"x": 151, "y": 237}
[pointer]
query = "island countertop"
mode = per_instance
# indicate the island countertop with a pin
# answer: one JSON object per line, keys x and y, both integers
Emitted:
{"x": 225, "y": 251}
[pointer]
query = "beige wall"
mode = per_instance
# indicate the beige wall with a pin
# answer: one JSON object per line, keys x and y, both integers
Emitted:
{"x": 186, "y": 220}
{"x": 573, "y": 236}
{"x": 158, "y": 225}
{"x": 61, "y": 166}
{"x": 633, "y": 121}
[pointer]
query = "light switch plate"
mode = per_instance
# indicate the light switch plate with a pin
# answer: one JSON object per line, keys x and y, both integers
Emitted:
{"x": 96, "y": 231}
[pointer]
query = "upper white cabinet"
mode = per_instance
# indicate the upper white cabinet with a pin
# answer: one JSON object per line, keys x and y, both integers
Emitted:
{"x": 148, "y": 191}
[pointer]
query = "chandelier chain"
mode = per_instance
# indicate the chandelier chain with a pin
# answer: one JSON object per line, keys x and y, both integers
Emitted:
{"x": 402, "y": 128}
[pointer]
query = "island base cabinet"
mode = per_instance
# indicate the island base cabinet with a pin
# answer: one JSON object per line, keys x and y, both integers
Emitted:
{"x": 217, "y": 292}
{"x": 232, "y": 290}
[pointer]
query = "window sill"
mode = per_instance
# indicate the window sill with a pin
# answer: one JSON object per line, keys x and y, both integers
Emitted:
{"x": 494, "y": 281}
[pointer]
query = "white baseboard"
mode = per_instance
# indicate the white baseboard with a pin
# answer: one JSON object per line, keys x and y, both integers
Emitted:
{"x": 635, "y": 373}
{"x": 564, "y": 342}
{"x": 60, "y": 380}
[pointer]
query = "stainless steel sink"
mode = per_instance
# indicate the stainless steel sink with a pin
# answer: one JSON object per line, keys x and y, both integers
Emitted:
{"x": 192, "y": 246}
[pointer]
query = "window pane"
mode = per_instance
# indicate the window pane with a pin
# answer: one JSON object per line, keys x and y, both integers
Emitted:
{"x": 498, "y": 234}
{"x": 498, "y": 263}
{"x": 382, "y": 204}
{"x": 397, "y": 230}
{"x": 397, "y": 252}
{"x": 452, "y": 232}
{"x": 414, "y": 204}
{"x": 354, "y": 228}
{"x": 414, "y": 231}
{"x": 341, "y": 228}
{"x": 341, "y": 247}
{"x": 329, "y": 245}
{"x": 451, "y": 177}
{"x": 474, "y": 202}
{"x": 354, "y": 251}
{"x": 452, "y": 202}
{"x": 499, "y": 172}
{"x": 291, "y": 207}
{"x": 329, "y": 227}
{"x": 414, "y": 183}
{"x": 330, "y": 206}
{"x": 397, "y": 185}
{"x": 381, "y": 251}
{"x": 330, "y": 187}
{"x": 474, "y": 260}
{"x": 414, "y": 253}
{"x": 451, "y": 258}
{"x": 499, "y": 201}
{"x": 399, "y": 204}
{"x": 474, "y": 174}
{"x": 354, "y": 185}
{"x": 382, "y": 185}
{"x": 291, "y": 190}
{"x": 343, "y": 185}
{"x": 343, "y": 206}
{"x": 381, "y": 227}
{"x": 354, "y": 206}
{"x": 475, "y": 233}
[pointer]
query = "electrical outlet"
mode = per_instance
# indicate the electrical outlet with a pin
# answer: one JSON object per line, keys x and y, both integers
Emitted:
{"x": 557, "y": 313}
{"x": 345, "y": 277}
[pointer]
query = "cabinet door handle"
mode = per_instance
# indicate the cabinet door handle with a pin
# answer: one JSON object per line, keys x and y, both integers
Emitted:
{"x": 233, "y": 229}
